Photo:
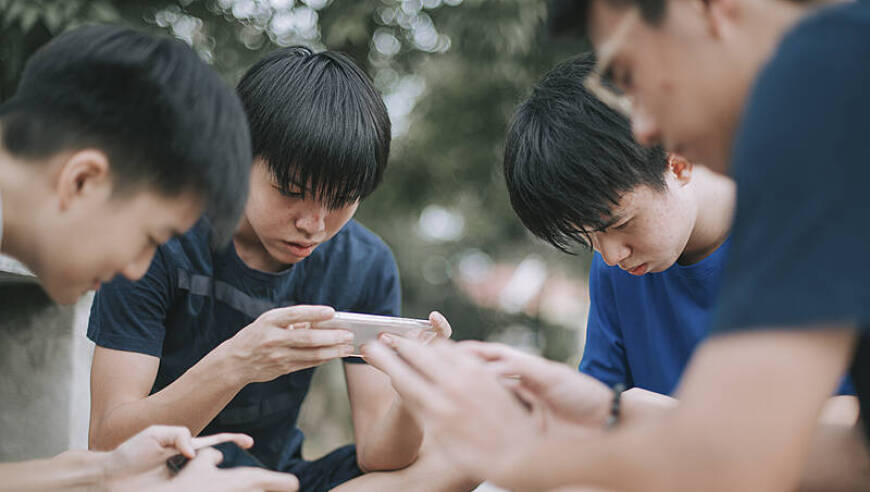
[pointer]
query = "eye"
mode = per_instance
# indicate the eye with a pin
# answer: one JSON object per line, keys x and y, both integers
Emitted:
{"x": 624, "y": 225}
{"x": 623, "y": 79}
{"x": 290, "y": 193}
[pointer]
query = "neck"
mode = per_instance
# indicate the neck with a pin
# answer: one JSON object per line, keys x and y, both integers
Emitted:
{"x": 716, "y": 197}
{"x": 251, "y": 250}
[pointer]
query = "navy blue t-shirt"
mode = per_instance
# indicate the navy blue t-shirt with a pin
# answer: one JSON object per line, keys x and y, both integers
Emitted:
{"x": 800, "y": 242}
{"x": 641, "y": 331}
{"x": 192, "y": 299}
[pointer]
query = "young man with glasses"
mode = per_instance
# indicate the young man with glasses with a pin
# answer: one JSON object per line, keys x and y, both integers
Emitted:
{"x": 785, "y": 88}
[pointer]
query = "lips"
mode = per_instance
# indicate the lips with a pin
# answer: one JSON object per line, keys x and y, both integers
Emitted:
{"x": 299, "y": 249}
{"x": 639, "y": 270}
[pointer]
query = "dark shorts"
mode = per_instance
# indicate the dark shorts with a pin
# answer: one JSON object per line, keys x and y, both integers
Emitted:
{"x": 328, "y": 472}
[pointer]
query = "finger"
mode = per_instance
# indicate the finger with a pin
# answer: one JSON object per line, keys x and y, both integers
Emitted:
{"x": 420, "y": 357}
{"x": 205, "y": 458}
{"x": 319, "y": 354}
{"x": 265, "y": 479}
{"x": 412, "y": 386}
{"x": 486, "y": 351}
{"x": 296, "y": 314}
{"x": 173, "y": 439}
{"x": 316, "y": 337}
{"x": 440, "y": 323}
{"x": 243, "y": 440}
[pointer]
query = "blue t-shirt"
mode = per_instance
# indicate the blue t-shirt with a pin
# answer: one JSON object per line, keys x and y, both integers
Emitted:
{"x": 800, "y": 241}
{"x": 641, "y": 331}
{"x": 192, "y": 299}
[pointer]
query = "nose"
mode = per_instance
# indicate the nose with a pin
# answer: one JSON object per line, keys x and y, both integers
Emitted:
{"x": 612, "y": 251}
{"x": 137, "y": 268}
{"x": 312, "y": 218}
{"x": 644, "y": 126}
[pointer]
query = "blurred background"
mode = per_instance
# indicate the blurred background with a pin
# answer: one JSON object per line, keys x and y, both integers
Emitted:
{"x": 451, "y": 73}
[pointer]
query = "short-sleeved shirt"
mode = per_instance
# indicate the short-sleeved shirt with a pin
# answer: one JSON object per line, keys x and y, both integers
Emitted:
{"x": 800, "y": 252}
{"x": 641, "y": 331}
{"x": 193, "y": 298}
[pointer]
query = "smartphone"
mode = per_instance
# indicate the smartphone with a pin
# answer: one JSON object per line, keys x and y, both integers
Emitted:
{"x": 367, "y": 327}
{"x": 234, "y": 456}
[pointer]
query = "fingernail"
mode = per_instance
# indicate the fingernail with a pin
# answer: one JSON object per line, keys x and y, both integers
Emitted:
{"x": 388, "y": 339}
{"x": 347, "y": 337}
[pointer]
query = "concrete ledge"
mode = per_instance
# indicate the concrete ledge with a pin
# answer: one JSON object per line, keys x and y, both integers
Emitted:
{"x": 13, "y": 272}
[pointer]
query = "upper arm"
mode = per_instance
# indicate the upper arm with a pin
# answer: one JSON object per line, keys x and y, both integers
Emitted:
{"x": 118, "y": 377}
{"x": 604, "y": 352}
{"x": 127, "y": 326}
{"x": 750, "y": 403}
{"x": 370, "y": 390}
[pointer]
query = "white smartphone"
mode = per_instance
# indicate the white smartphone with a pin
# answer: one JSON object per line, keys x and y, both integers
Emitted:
{"x": 367, "y": 327}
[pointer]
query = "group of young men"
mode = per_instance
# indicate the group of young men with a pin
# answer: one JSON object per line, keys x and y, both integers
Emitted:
{"x": 229, "y": 219}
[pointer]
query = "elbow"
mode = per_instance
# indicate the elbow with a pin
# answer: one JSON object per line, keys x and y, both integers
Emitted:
{"x": 372, "y": 462}
{"x": 99, "y": 437}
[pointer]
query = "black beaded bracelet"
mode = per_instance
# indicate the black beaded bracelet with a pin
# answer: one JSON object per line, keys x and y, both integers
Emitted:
{"x": 613, "y": 417}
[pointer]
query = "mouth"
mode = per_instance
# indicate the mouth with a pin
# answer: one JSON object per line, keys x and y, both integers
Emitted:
{"x": 299, "y": 249}
{"x": 638, "y": 270}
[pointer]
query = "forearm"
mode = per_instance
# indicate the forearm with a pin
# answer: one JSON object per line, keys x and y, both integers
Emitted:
{"x": 838, "y": 460}
{"x": 392, "y": 443}
{"x": 660, "y": 454}
{"x": 72, "y": 470}
{"x": 638, "y": 404}
{"x": 192, "y": 401}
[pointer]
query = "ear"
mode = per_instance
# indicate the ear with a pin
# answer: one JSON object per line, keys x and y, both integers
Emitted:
{"x": 680, "y": 168}
{"x": 84, "y": 174}
{"x": 720, "y": 15}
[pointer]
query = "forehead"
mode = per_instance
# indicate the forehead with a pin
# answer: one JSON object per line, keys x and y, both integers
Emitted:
{"x": 639, "y": 199}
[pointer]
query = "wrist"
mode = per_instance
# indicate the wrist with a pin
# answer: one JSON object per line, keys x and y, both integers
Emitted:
{"x": 614, "y": 413}
{"x": 603, "y": 400}
{"x": 225, "y": 363}
{"x": 82, "y": 470}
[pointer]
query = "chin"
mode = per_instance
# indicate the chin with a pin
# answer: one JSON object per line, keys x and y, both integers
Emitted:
{"x": 63, "y": 297}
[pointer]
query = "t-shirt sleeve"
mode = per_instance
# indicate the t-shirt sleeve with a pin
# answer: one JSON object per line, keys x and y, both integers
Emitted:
{"x": 383, "y": 291}
{"x": 802, "y": 165}
{"x": 130, "y": 315}
{"x": 604, "y": 352}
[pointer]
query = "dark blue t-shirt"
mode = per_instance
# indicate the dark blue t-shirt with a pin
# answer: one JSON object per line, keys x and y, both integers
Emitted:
{"x": 192, "y": 299}
{"x": 800, "y": 241}
{"x": 642, "y": 331}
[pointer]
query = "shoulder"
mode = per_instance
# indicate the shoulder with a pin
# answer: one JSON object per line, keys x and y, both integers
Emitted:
{"x": 356, "y": 243}
{"x": 833, "y": 37}
{"x": 191, "y": 248}
{"x": 841, "y": 20}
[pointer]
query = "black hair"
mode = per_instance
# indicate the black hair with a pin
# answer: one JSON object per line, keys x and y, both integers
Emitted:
{"x": 318, "y": 123}
{"x": 571, "y": 17}
{"x": 164, "y": 118}
{"x": 569, "y": 158}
